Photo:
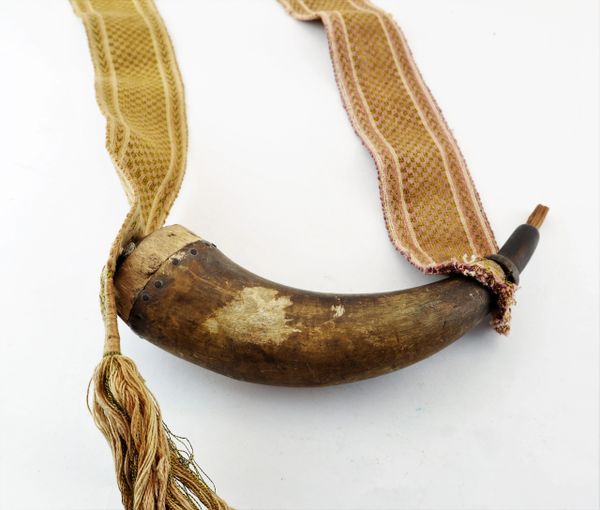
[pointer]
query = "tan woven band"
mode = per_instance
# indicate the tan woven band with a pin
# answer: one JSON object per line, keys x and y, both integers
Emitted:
{"x": 431, "y": 208}
{"x": 139, "y": 90}
{"x": 432, "y": 211}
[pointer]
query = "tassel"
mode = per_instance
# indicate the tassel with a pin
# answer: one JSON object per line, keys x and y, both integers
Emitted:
{"x": 152, "y": 472}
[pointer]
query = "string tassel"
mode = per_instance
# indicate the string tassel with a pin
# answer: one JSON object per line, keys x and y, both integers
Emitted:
{"x": 152, "y": 472}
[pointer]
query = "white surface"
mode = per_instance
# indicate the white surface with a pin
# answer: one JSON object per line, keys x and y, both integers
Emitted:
{"x": 277, "y": 178}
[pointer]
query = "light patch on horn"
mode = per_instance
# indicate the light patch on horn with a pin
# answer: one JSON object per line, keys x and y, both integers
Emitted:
{"x": 255, "y": 314}
{"x": 337, "y": 310}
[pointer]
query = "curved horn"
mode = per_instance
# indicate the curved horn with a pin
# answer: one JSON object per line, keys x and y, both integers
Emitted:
{"x": 181, "y": 293}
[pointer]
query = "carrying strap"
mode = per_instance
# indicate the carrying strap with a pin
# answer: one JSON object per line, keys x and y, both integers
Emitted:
{"x": 431, "y": 208}
{"x": 432, "y": 211}
{"x": 140, "y": 92}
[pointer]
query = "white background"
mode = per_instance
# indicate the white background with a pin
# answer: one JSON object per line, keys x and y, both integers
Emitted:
{"x": 278, "y": 180}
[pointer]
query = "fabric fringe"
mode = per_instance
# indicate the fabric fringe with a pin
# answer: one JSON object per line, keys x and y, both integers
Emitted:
{"x": 139, "y": 90}
{"x": 152, "y": 472}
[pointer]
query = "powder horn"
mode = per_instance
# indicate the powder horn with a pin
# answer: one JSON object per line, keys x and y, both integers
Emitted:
{"x": 181, "y": 293}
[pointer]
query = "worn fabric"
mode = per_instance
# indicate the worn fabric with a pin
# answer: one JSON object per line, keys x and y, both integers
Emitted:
{"x": 140, "y": 92}
{"x": 431, "y": 208}
{"x": 430, "y": 205}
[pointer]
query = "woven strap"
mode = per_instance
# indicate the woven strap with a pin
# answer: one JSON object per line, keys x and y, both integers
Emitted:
{"x": 431, "y": 208}
{"x": 430, "y": 205}
{"x": 140, "y": 92}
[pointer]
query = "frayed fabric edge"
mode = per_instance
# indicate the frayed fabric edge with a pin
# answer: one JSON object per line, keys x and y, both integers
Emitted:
{"x": 489, "y": 274}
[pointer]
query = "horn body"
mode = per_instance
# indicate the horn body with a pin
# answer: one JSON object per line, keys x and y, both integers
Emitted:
{"x": 182, "y": 294}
